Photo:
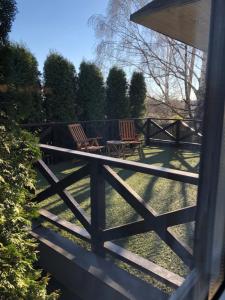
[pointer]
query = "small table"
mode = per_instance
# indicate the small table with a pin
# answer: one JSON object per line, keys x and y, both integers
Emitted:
{"x": 116, "y": 148}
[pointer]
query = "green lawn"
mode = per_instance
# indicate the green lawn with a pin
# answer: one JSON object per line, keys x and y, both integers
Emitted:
{"x": 162, "y": 195}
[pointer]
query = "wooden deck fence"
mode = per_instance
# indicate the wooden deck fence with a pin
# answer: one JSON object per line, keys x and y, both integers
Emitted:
{"x": 100, "y": 170}
{"x": 176, "y": 132}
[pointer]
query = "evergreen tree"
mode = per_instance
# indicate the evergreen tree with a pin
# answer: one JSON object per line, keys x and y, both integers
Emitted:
{"x": 60, "y": 88}
{"x": 91, "y": 92}
{"x": 117, "y": 102}
{"x": 7, "y": 15}
{"x": 20, "y": 93}
{"x": 137, "y": 94}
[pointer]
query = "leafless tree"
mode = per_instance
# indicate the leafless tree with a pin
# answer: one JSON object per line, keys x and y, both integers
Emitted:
{"x": 173, "y": 70}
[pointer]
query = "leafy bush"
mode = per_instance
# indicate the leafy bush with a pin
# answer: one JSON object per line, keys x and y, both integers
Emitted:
{"x": 18, "y": 278}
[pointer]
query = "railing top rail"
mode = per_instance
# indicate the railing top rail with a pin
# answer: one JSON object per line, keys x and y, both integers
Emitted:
{"x": 104, "y": 120}
{"x": 168, "y": 173}
{"x": 174, "y": 119}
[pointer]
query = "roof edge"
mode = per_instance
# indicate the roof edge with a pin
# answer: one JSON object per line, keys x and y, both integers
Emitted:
{"x": 157, "y": 5}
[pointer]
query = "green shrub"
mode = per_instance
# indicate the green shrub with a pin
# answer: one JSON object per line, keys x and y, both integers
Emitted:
{"x": 18, "y": 251}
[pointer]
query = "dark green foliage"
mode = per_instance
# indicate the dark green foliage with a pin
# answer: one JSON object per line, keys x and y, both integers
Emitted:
{"x": 117, "y": 102}
{"x": 60, "y": 88}
{"x": 20, "y": 89}
{"x": 18, "y": 278}
{"x": 91, "y": 92}
{"x": 7, "y": 15}
{"x": 137, "y": 95}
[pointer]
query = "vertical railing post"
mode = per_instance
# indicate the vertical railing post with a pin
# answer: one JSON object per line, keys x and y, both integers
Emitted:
{"x": 178, "y": 126}
{"x": 147, "y": 135}
{"x": 97, "y": 194}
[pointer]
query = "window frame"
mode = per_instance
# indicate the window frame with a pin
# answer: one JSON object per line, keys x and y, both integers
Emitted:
{"x": 208, "y": 273}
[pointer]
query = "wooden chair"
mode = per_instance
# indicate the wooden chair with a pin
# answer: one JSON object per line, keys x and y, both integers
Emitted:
{"x": 83, "y": 143}
{"x": 128, "y": 134}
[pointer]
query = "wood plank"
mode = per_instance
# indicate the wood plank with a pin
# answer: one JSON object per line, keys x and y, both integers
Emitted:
{"x": 62, "y": 184}
{"x": 140, "y": 128}
{"x": 97, "y": 194}
{"x": 126, "y": 230}
{"x": 163, "y": 129}
{"x": 88, "y": 275}
{"x": 181, "y": 216}
{"x": 135, "y": 201}
{"x": 128, "y": 194}
{"x": 192, "y": 129}
{"x": 168, "y": 173}
{"x": 162, "y": 221}
{"x": 65, "y": 195}
{"x": 147, "y": 134}
{"x": 144, "y": 265}
{"x": 157, "y": 221}
{"x": 65, "y": 225}
{"x": 134, "y": 260}
{"x": 178, "y": 125}
{"x": 182, "y": 145}
{"x": 186, "y": 136}
{"x": 182, "y": 250}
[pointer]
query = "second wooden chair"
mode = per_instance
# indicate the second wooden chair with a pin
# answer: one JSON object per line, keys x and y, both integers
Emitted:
{"x": 128, "y": 134}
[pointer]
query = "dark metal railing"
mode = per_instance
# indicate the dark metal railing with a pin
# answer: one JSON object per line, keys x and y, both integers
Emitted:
{"x": 99, "y": 168}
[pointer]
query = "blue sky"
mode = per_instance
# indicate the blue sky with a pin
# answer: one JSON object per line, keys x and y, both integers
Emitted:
{"x": 61, "y": 25}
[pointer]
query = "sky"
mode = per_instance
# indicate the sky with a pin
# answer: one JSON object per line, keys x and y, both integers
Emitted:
{"x": 60, "y": 25}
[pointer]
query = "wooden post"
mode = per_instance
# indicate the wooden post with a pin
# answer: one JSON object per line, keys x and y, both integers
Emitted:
{"x": 97, "y": 195}
{"x": 178, "y": 125}
{"x": 147, "y": 135}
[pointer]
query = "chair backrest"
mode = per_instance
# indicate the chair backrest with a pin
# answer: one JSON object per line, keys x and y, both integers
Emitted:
{"x": 78, "y": 134}
{"x": 127, "y": 130}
